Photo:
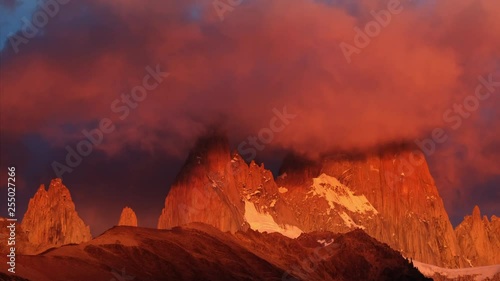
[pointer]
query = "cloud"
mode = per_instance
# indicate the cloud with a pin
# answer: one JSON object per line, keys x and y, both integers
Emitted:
{"x": 264, "y": 55}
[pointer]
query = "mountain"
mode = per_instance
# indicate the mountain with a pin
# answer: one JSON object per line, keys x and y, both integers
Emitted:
{"x": 410, "y": 213}
{"x": 202, "y": 252}
{"x": 388, "y": 192}
{"x": 51, "y": 220}
{"x": 205, "y": 189}
{"x": 225, "y": 219}
{"x": 127, "y": 217}
{"x": 479, "y": 238}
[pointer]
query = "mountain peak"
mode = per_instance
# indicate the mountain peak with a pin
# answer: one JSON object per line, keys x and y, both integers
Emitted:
{"x": 374, "y": 190}
{"x": 128, "y": 217}
{"x": 41, "y": 189}
{"x": 51, "y": 219}
{"x": 210, "y": 152}
{"x": 58, "y": 189}
{"x": 476, "y": 213}
{"x": 41, "y": 192}
{"x": 479, "y": 238}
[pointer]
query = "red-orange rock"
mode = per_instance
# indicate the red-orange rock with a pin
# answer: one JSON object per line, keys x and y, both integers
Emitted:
{"x": 479, "y": 239}
{"x": 205, "y": 190}
{"x": 51, "y": 219}
{"x": 389, "y": 193}
{"x": 128, "y": 217}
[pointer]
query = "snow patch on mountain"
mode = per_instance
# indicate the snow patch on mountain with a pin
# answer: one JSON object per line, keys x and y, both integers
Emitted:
{"x": 479, "y": 273}
{"x": 349, "y": 222}
{"x": 282, "y": 189}
{"x": 324, "y": 243}
{"x": 335, "y": 192}
{"x": 264, "y": 222}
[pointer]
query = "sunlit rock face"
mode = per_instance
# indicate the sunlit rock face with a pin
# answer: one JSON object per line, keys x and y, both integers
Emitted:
{"x": 479, "y": 239}
{"x": 51, "y": 219}
{"x": 127, "y": 217}
{"x": 410, "y": 215}
{"x": 205, "y": 190}
{"x": 389, "y": 193}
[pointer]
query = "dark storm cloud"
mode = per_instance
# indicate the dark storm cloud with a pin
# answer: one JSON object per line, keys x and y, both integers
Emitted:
{"x": 264, "y": 55}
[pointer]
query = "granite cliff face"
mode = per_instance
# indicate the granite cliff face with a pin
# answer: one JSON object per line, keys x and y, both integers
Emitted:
{"x": 204, "y": 190}
{"x": 225, "y": 192}
{"x": 388, "y": 193}
{"x": 51, "y": 219}
{"x": 410, "y": 213}
{"x": 479, "y": 239}
{"x": 127, "y": 217}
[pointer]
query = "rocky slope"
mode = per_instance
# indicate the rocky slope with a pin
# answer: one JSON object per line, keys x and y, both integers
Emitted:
{"x": 387, "y": 192}
{"x": 127, "y": 217}
{"x": 479, "y": 238}
{"x": 201, "y": 252}
{"x": 51, "y": 220}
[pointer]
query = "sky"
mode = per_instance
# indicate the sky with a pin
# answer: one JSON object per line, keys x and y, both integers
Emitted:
{"x": 350, "y": 82}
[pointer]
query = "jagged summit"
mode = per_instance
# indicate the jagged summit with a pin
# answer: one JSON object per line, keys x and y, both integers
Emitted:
{"x": 203, "y": 188}
{"x": 479, "y": 238}
{"x": 51, "y": 219}
{"x": 476, "y": 213}
{"x": 389, "y": 193}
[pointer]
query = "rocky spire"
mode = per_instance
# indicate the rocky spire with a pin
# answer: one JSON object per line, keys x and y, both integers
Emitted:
{"x": 128, "y": 217}
{"x": 479, "y": 239}
{"x": 476, "y": 214}
{"x": 204, "y": 190}
{"x": 51, "y": 219}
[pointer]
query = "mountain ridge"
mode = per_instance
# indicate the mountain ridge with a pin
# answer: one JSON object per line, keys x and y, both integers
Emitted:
{"x": 406, "y": 209}
{"x": 202, "y": 252}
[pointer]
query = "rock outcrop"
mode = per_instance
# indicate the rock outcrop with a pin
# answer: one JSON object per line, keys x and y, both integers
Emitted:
{"x": 411, "y": 215}
{"x": 479, "y": 239}
{"x": 127, "y": 217}
{"x": 51, "y": 219}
